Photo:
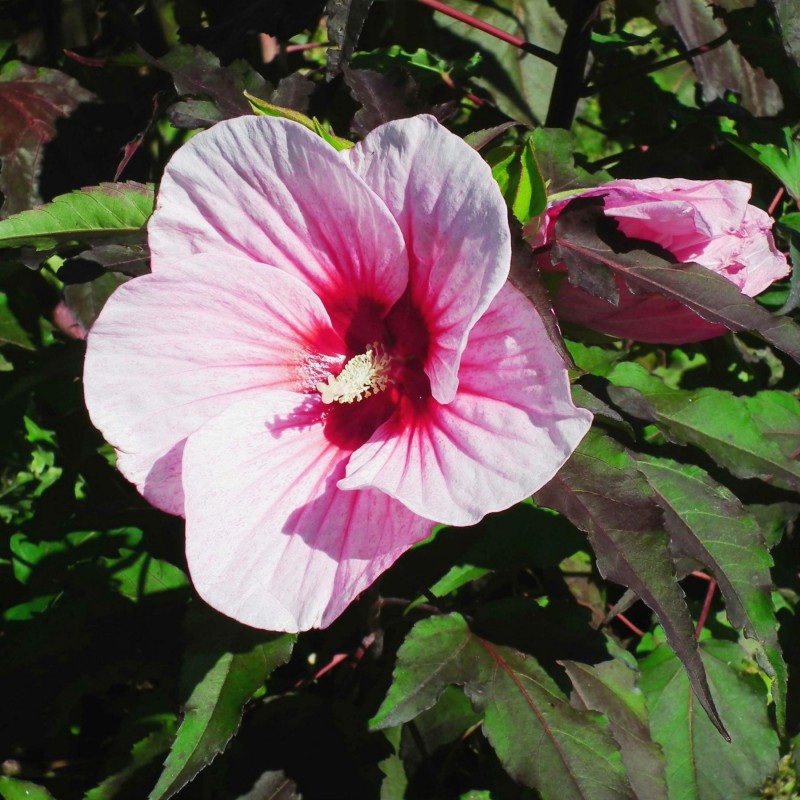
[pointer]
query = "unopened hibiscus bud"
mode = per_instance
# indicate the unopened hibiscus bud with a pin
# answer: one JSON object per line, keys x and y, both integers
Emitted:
{"x": 326, "y": 359}
{"x": 709, "y": 223}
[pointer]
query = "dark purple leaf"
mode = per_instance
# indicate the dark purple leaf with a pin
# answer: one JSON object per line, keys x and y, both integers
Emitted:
{"x": 86, "y": 300}
{"x": 540, "y": 739}
{"x": 601, "y": 491}
{"x": 722, "y": 68}
{"x": 387, "y": 97}
{"x": 789, "y": 22}
{"x": 479, "y": 139}
{"x": 345, "y": 21}
{"x": 586, "y": 240}
{"x": 218, "y": 91}
{"x": 130, "y": 259}
{"x": 610, "y": 688}
{"x": 31, "y": 100}
{"x": 293, "y": 92}
{"x": 272, "y": 786}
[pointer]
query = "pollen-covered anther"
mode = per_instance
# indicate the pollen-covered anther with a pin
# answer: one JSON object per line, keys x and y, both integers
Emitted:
{"x": 361, "y": 377}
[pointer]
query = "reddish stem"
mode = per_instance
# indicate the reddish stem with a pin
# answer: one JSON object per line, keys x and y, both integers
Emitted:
{"x": 478, "y": 24}
{"x": 625, "y": 621}
{"x": 299, "y": 48}
{"x": 775, "y": 200}
{"x": 712, "y": 587}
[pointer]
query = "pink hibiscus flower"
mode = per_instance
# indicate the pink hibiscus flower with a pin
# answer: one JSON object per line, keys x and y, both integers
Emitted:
{"x": 325, "y": 359}
{"x": 708, "y": 222}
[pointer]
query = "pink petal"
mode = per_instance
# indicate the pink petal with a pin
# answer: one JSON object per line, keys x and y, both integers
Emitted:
{"x": 454, "y": 221}
{"x": 507, "y": 432}
{"x": 272, "y": 191}
{"x": 270, "y": 540}
{"x": 172, "y": 349}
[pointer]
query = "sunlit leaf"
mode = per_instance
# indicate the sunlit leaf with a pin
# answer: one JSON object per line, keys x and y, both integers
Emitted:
{"x": 517, "y": 173}
{"x": 707, "y": 523}
{"x": 540, "y": 739}
{"x": 14, "y": 789}
{"x": 226, "y": 678}
{"x": 701, "y": 765}
{"x": 752, "y": 437}
{"x": 519, "y": 82}
{"x": 602, "y": 492}
{"x": 94, "y": 214}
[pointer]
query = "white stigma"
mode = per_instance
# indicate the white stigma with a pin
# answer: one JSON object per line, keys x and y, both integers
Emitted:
{"x": 361, "y": 377}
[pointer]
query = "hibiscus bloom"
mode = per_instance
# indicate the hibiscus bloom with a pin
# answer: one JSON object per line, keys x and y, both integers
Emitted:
{"x": 708, "y": 222}
{"x": 325, "y": 359}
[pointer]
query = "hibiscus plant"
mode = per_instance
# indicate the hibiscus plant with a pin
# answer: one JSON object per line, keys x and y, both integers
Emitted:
{"x": 399, "y": 400}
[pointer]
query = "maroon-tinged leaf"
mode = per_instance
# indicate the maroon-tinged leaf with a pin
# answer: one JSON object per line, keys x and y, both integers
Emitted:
{"x": 540, "y": 739}
{"x": 722, "y": 68}
{"x": 130, "y": 259}
{"x": 708, "y": 524}
{"x": 610, "y": 688}
{"x": 479, "y": 139}
{"x": 585, "y": 240}
{"x": 751, "y": 437}
{"x": 789, "y": 23}
{"x": 382, "y": 97}
{"x": 217, "y": 91}
{"x": 86, "y": 300}
{"x": 272, "y": 786}
{"x": 345, "y": 20}
{"x": 293, "y": 92}
{"x": 31, "y": 100}
{"x": 601, "y": 491}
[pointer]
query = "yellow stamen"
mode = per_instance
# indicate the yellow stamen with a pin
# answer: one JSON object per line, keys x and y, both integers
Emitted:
{"x": 362, "y": 376}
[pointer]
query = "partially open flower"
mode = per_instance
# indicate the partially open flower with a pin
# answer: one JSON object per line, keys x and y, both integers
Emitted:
{"x": 325, "y": 359}
{"x": 710, "y": 223}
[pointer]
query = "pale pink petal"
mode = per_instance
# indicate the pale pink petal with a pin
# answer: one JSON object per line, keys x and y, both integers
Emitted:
{"x": 507, "y": 432}
{"x": 270, "y": 540}
{"x": 270, "y": 190}
{"x": 454, "y": 221}
{"x": 172, "y": 349}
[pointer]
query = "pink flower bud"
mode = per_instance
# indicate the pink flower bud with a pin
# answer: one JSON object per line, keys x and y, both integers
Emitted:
{"x": 706, "y": 222}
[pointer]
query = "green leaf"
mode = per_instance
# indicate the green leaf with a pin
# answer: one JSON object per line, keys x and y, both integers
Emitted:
{"x": 752, "y": 437}
{"x": 708, "y": 523}
{"x": 228, "y": 679}
{"x": 13, "y": 789}
{"x": 521, "y": 184}
{"x": 144, "y": 752}
{"x": 700, "y": 765}
{"x": 519, "y": 82}
{"x": 540, "y": 739}
{"x": 86, "y": 215}
{"x": 610, "y": 689}
{"x": 784, "y": 164}
{"x": 601, "y": 491}
{"x": 265, "y": 109}
{"x": 11, "y": 332}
